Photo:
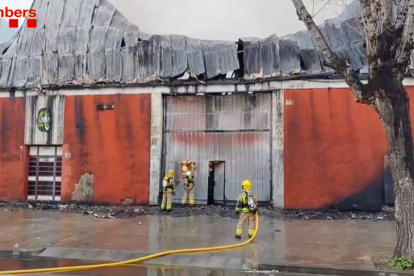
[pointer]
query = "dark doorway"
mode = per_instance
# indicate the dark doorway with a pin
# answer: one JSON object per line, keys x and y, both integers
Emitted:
{"x": 388, "y": 183}
{"x": 216, "y": 182}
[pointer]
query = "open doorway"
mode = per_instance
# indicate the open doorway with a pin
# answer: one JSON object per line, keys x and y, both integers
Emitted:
{"x": 216, "y": 182}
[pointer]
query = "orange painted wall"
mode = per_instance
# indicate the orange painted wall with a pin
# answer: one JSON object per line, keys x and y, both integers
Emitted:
{"x": 13, "y": 159}
{"x": 113, "y": 145}
{"x": 333, "y": 151}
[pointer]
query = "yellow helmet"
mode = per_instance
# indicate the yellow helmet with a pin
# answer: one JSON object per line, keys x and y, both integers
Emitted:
{"x": 170, "y": 172}
{"x": 185, "y": 169}
{"x": 246, "y": 185}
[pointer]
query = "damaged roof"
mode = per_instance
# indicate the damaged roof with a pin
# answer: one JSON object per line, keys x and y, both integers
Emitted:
{"x": 84, "y": 42}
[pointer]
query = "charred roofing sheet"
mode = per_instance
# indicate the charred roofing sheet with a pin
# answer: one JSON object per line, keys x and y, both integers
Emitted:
{"x": 89, "y": 41}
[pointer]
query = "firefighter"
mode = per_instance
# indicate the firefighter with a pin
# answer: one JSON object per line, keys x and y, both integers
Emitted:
{"x": 188, "y": 183}
{"x": 246, "y": 208}
{"x": 168, "y": 191}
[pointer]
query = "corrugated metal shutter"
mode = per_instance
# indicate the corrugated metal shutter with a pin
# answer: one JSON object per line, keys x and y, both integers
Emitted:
{"x": 235, "y": 129}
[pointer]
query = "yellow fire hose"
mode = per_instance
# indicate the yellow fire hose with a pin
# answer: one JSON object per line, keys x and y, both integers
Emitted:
{"x": 142, "y": 259}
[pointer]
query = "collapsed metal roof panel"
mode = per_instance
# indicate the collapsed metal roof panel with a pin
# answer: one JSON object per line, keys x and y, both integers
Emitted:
{"x": 89, "y": 41}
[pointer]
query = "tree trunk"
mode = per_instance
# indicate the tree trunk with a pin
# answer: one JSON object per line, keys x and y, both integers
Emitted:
{"x": 394, "y": 111}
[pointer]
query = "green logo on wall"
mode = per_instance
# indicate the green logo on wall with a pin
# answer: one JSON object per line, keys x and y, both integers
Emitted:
{"x": 44, "y": 120}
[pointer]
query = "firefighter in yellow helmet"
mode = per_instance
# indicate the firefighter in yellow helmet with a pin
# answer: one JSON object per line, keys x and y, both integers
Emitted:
{"x": 246, "y": 208}
{"x": 188, "y": 183}
{"x": 168, "y": 190}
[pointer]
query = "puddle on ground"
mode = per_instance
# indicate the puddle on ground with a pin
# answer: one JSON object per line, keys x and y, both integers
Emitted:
{"x": 129, "y": 270}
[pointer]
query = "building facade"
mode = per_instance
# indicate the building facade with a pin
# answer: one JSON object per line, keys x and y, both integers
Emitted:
{"x": 93, "y": 110}
{"x": 65, "y": 137}
{"x": 307, "y": 147}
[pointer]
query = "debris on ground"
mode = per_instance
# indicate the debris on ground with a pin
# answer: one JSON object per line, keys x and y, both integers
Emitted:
{"x": 132, "y": 211}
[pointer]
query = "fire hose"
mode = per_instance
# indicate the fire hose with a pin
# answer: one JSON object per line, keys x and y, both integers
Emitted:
{"x": 128, "y": 262}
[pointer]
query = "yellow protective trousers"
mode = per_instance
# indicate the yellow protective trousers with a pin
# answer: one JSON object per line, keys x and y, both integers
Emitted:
{"x": 250, "y": 219}
{"x": 166, "y": 203}
{"x": 189, "y": 190}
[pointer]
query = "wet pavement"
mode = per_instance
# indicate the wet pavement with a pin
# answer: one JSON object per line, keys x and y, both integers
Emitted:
{"x": 132, "y": 211}
{"x": 132, "y": 270}
{"x": 334, "y": 243}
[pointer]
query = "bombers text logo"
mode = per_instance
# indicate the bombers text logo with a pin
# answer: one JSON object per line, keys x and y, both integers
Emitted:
{"x": 14, "y": 15}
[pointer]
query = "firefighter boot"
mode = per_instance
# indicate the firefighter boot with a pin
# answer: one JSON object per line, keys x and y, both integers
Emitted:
{"x": 238, "y": 237}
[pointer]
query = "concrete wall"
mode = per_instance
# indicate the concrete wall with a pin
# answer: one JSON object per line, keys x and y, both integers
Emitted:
{"x": 156, "y": 147}
{"x": 113, "y": 145}
{"x": 278, "y": 171}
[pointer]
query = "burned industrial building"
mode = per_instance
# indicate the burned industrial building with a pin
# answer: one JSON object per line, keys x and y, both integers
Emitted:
{"x": 123, "y": 107}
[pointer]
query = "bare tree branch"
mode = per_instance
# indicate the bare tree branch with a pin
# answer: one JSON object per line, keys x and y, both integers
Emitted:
{"x": 358, "y": 31}
{"x": 362, "y": 92}
{"x": 315, "y": 14}
{"x": 402, "y": 13}
{"x": 386, "y": 12}
{"x": 370, "y": 18}
{"x": 329, "y": 56}
{"x": 405, "y": 20}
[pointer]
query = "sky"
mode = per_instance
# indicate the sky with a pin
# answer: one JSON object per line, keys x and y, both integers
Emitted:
{"x": 213, "y": 19}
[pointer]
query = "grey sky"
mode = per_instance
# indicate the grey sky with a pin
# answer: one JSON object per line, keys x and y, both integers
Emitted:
{"x": 219, "y": 19}
{"x": 212, "y": 19}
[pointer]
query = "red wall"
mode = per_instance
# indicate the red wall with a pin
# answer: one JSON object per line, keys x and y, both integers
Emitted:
{"x": 113, "y": 145}
{"x": 333, "y": 151}
{"x": 13, "y": 159}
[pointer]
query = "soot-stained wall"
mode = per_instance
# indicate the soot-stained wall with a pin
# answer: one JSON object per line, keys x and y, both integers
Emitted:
{"x": 112, "y": 145}
{"x": 13, "y": 158}
{"x": 334, "y": 151}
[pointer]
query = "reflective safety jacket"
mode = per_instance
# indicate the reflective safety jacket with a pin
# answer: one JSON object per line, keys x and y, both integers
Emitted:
{"x": 246, "y": 203}
{"x": 189, "y": 176}
{"x": 168, "y": 182}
